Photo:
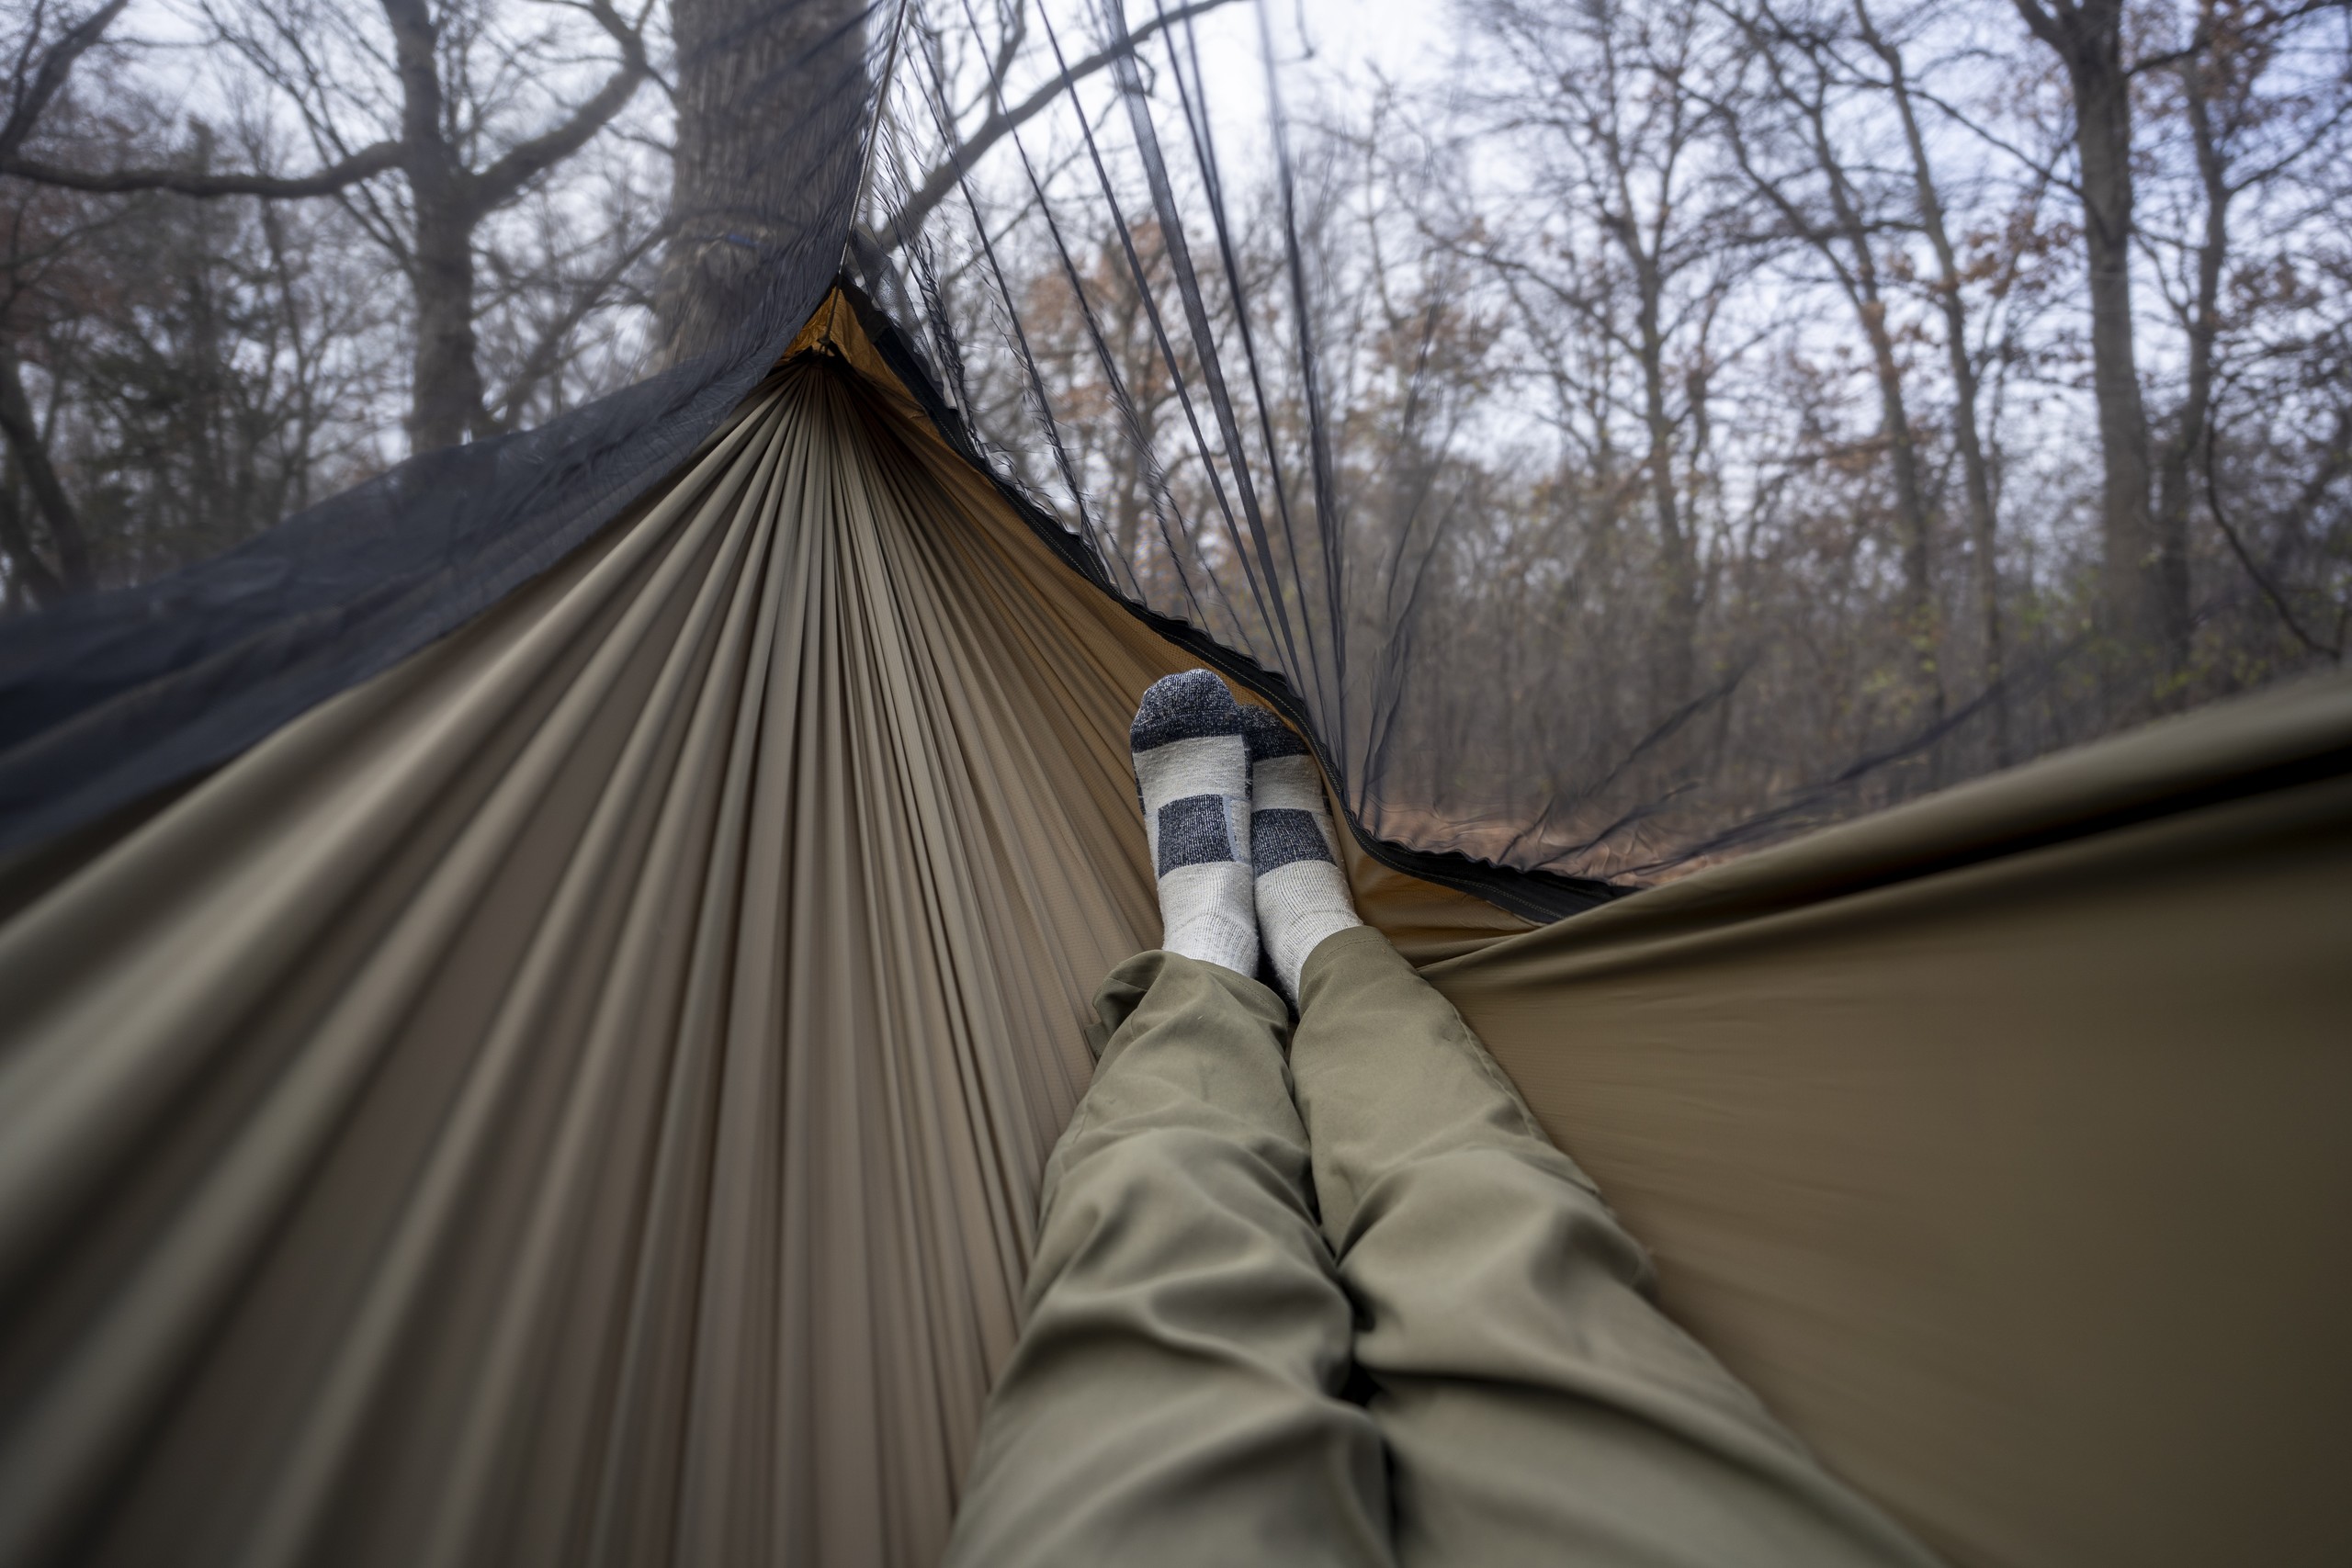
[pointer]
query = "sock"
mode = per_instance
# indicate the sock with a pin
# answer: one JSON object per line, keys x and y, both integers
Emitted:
{"x": 1302, "y": 893}
{"x": 1193, "y": 771}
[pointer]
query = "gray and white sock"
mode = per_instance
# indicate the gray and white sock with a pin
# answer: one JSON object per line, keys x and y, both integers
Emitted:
{"x": 1193, "y": 771}
{"x": 1302, "y": 893}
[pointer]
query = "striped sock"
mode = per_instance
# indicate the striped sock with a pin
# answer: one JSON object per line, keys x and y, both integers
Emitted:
{"x": 1301, "y": 893}
{"x": 1193, "y": 770}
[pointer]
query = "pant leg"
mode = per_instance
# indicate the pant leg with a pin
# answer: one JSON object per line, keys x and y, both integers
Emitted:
{"x": 1537, "y": 1407}
{"x": 1171, "y": 1399}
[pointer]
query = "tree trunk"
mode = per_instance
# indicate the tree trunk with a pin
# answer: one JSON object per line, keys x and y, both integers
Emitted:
{"x": 2191, "y": 430}
{"x": 73, "y": 572}
{"x": 1976, "y": 480}
{"x": 445, "y": 398}
{"x": 2146, "y": 588}
{"x": 30, "y": 578}
{"x": 772, "y": 105}
{"x": 1894, "y": 419}
{"x": 1922, "y": 631}
{"x": 1679, "y": 667}
{"x": 447, "y": 404}
{"x": 2144, "y": 611}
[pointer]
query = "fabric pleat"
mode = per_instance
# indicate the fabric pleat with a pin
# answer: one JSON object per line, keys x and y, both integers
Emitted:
{"x": 578, "y": 1096}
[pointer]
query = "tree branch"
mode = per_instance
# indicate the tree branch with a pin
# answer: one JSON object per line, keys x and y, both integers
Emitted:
{"x": 2261, "y": 579}
{"x": 55, "y": 67}
{"x": 364, "y": 165}
{"x": 499, "y": 184}
{"x": 941, "y": 181}
{"x": 545, "y": 355}
{"x": 2049, "y": 29}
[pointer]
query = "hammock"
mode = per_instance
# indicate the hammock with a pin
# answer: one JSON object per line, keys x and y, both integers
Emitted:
{"x": 576, "y": 1096}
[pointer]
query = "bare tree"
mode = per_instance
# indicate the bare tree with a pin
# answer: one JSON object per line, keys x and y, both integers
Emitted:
{"x": 1655, "y": 342}
{"x": 40, "y": 66}
{"x": 1610, "y": 93}
{"x": 1976, "y": 479}
{"x": 197, "y": 369}
{"x": 1839, "y": 221}
{"x": 2146, "y": 567}
{"x": 2240, "y": 138}
{"x": 423, "y": 97}
{"x": 773, "y": 104}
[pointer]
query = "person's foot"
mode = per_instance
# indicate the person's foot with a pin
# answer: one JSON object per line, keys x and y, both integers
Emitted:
{"x": 1193, "y": 770}
{"x": 1302, "y": 893}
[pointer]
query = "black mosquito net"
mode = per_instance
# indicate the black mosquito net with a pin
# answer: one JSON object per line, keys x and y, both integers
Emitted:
{"x": 1118, "y": 249}
{"x": 106, "y": 698}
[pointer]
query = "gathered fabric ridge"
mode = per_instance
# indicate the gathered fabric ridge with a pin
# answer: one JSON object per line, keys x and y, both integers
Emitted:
{"x": 578, "y": 1096}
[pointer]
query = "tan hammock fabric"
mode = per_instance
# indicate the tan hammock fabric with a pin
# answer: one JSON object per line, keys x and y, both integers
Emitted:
{"x": 2004, "y": 1142}
{"x": 578, "y": 1098}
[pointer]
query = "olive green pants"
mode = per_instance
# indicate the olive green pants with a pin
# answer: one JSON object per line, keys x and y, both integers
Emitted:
{"x": 1353, "y": 1307}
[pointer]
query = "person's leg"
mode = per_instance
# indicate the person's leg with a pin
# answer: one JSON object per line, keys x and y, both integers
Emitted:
{"x": 1172, "y": 1398}
{"x": 1536, "y": 1405}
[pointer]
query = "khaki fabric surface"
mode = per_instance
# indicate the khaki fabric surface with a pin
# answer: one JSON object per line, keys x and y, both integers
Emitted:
{"x": 1178, "y": 1394}
{"x": 2001, "y": 1143}
{"x": 579, "y": 1097}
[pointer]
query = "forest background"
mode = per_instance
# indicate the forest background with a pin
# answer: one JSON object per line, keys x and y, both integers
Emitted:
{"x": 1727, "y": 415}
